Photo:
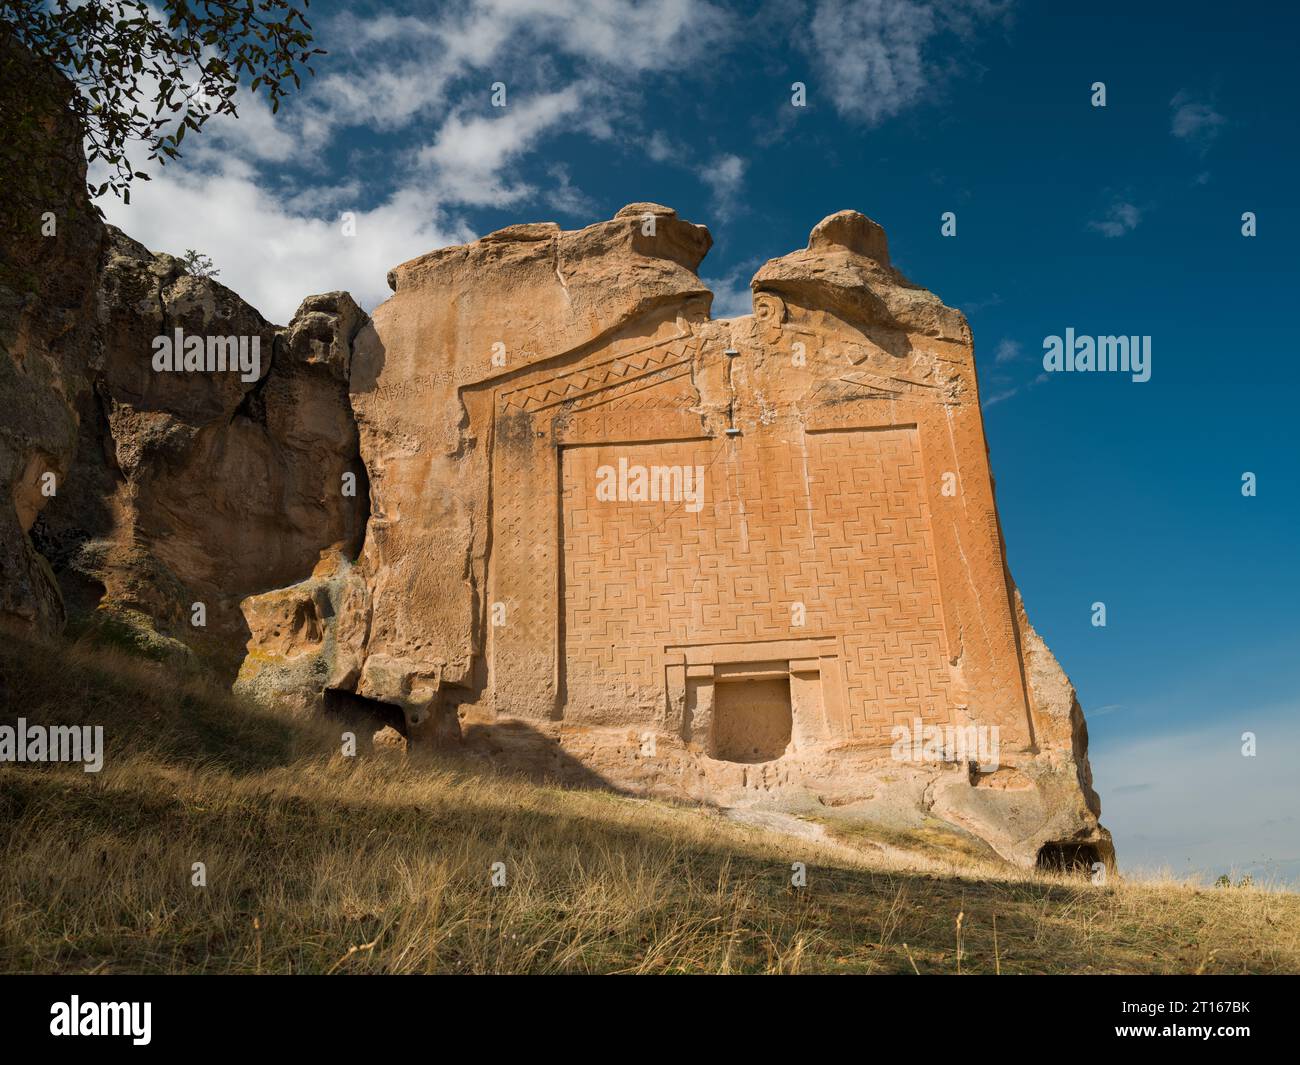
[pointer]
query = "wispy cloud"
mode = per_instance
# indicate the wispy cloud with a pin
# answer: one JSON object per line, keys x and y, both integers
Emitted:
{"x": 725, "y": 175}
{"x": 566, "y": 197}
{"x": 1007, "y": 351}
{"x": 1194, "y": 121}
{"x": 878, "y": 57}
{"x": 1002, "y": 384}
{"x": 471, "y": 152}
{"x": 663, "y": 149}
{"x": 975, "y": 306}
{"x": 1120, "y": 218}
{"x": 1000, "y": 396}
{"x": 1102, "y": 711}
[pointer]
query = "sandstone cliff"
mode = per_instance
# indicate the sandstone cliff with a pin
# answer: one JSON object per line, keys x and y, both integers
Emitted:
{"x": 198, "y": 488}
{"x": 842, "y": 577}
{"x": 542, "y": 508}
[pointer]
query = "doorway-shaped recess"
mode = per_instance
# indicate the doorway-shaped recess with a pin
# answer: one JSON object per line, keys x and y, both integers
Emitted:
{"x": 752, "y": 719}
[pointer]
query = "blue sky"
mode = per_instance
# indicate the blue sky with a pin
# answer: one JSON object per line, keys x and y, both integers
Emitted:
{"x": 1117, "y": 220}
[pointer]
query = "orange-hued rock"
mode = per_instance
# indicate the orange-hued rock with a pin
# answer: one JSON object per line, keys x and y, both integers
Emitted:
{"x": 202, "y": 487}
{"x": 140, "y": 502}
{"x": 542, "y": 508}
{"x": 747, "y": 561}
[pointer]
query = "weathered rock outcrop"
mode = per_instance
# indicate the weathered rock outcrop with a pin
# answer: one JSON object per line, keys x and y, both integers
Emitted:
{"x": 203, "y": 486}
{"x": 48, "y": 279}
{"x": 130, "y": 497}
{"x": 752, "y": 561}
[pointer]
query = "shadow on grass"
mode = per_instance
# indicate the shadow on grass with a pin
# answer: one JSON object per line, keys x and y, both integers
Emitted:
{"x": 207, "y": 769}
{"x": 175, "y": 721}
{"x": 142, "y": 706}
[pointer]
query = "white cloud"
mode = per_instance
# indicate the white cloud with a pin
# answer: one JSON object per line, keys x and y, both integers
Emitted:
{"x": 1120, "y": 218}
{"x": 325, "y": 199}
{"x": 1194, "y": 121}
{"x": 354, "y": 34}
{"x": 468, "y": 155}
{"x": 871, "y": 56}
{"x": 271, "y": 252}
{"x": 725, "y": 176}
{"x": 386, "y": 98}
{"x": 1007, "y": 351}
{"x": 402, "y": 67}
{"x": 273, "y": 229}
{"x": 566, "y": 197}
{"x": 625, "y": 35}
{"x": 256, "y": 133}
{"x": 998, "y": 397}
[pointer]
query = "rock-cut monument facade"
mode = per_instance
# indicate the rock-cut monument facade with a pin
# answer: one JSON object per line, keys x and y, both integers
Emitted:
{"x": 751, "y": 561}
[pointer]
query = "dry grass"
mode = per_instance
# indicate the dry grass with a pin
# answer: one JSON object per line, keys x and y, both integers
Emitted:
{"x": 316, "y": 863}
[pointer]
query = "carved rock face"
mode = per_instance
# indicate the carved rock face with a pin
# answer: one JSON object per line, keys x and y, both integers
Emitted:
{"x": 750, "y": 560}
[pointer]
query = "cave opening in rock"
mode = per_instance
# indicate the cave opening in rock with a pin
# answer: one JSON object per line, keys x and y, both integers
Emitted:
{"x": 1068, "y": 857}
{"x": 363, "y": 714}
{"x": 752, "y": 720}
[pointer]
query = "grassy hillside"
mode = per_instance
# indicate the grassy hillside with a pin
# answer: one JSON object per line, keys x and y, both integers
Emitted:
{"x": 317, "y": 863}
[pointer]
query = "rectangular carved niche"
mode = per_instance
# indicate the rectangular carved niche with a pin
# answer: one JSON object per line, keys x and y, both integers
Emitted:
{"x": 753, "y": 702}
{"x": 752, "y": 720}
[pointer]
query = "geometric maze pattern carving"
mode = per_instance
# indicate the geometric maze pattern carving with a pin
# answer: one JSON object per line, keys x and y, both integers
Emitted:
{"x": 599, "y": 398}
{"x": 831, "y": 528}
